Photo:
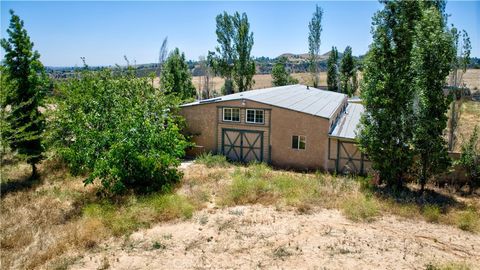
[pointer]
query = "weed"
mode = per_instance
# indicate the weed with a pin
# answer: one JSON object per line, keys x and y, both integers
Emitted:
{"x": 447, "y": 266}
{"x": 432, "y": 213}
{"x": 467, "y": 220}
{"x": 210, "y": 160}
{"x": 360, "y": 208}
{"x": 158, "y": 245}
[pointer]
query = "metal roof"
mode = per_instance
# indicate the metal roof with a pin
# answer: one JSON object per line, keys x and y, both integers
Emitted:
{"x": 347, "y": 125}
{"x": 293, "y": 97}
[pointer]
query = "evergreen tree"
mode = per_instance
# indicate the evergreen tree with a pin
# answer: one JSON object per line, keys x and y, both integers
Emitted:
{"x": 432, "y": 55}
{"x": 176, "y": 77}
{"x": 280, "y": 75}
{"x": 387, "y": 91}
{"x": 332, "y": 70}
{"x": 315, "y": 30}
{"x": 26, "y": 84}
{"x": 348, "y": 73}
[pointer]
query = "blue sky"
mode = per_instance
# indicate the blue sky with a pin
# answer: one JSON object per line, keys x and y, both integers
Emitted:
{"x": 104, "y": 32}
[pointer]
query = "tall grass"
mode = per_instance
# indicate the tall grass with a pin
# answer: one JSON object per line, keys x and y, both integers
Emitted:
{"x": 210, "y": 160}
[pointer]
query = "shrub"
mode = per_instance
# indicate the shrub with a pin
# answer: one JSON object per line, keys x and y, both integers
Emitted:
{"x": 432, "y": 213}
{"x": 119, "y": 129}
{"x": 211, "y": 161}
{"x": 360, "y": 208}
{"x": 467, "y": 220}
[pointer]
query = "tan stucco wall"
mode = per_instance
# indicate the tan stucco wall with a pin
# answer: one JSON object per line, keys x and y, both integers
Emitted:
{"x": 202, "y": 120}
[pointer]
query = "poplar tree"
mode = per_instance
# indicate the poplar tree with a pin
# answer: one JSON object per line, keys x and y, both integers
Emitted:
{"x": 314, "y": 41}
{"x": 176, "y": 78}
{"x": 432, "y": 56}
{"x": 387, "y": 92}
{"x": 332, "y": 70}
{"x": 26, "y": 84}
{"x": 348, "y": 73}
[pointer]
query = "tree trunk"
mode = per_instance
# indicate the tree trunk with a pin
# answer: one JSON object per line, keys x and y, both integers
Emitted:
{"x": 423, "y": 177}
{"x": 34, "y": 170}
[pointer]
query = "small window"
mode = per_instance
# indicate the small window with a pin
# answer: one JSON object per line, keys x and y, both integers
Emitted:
{"x": 255, "y": 116}
{"x": 231, "y": 114}
{"x": 298, "y": 142}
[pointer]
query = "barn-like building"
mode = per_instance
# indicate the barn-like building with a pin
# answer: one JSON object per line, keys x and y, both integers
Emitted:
{"x": 292, "y": 126}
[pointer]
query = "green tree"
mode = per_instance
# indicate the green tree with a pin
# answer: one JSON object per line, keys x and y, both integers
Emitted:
{"x": 315, "y": 30}
{"x": 470, "y": 160}
{"x": 26, "y": 84}
{"x": 244, "y": 65}
{"x": 348, "y": 73}
{"x": 119, "y": 130}
{"x": 280, "y": 75}
{"x": 432, "y": 55}
{"x": 176, "y": 78}
{"x": 387, "y": 93}
{"x": 233, "y": 61}
{"x": 332, "y": 70}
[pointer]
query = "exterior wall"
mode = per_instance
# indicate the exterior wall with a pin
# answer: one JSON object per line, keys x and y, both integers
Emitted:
{"x": 205, "y": 123}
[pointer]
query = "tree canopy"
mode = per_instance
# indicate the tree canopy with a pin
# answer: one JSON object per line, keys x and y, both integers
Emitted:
{"x": 314, "y": 42}
{"x": 348, "y": 73}
{"x": 280, "y": 75}
{"x": 176, "y": 78}
{"x": 332, "y": 70}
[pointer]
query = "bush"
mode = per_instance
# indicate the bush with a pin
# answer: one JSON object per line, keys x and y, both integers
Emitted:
{"x": 432, "y": 213}
{"x": 211, "y": 161}
{"x": 119, "y": 129}
{"x": 468, "y": 220}
{"x": 360, "y": 208}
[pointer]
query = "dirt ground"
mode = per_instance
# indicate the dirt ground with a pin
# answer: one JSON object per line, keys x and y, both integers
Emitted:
{"x": 260, "y": 237}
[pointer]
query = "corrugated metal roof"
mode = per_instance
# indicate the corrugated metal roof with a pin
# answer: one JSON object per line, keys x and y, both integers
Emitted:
{"x": 293, "y": 97}
{"x": 348, "y": 123}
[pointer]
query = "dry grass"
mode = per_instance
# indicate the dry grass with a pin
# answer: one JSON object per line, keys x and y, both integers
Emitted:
{"x": 472, "y": 79}
{"x": 469, "y": 118}
{"x": 50, "y": 224}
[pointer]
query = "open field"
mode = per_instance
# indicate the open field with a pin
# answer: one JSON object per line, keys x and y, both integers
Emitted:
{"x": 469, "y": 118}
{"x": 229, "y": 216}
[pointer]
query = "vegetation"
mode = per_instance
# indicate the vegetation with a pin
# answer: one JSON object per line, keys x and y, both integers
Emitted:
{"x": 280, "y": 75}
{"x": 176, "y": 78}
{"x": 470, "y": 160}
{"x": 210, "y": 160}
{"x": 233, "y": 61}
{"x": 118, "y": 129}
{"x": 24, "y": 85}
{"x": 333, "y": 82}
{"x": 314, "y": 41}
{"x": 432, "y": 55}
{"x": 348, "y": 73}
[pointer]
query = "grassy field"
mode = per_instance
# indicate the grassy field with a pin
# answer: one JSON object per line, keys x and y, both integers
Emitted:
{"x": 54, "y": 221}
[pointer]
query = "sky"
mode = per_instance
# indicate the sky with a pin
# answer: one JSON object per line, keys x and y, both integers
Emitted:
{"x": 103, "y": 32}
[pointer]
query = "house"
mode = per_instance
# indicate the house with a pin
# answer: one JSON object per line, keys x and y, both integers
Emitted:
{"x": 292, "y": 126}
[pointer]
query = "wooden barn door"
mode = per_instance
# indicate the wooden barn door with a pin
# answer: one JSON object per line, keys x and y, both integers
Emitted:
{"x": 349, "y": 158}
{"x": 242, "y": 145}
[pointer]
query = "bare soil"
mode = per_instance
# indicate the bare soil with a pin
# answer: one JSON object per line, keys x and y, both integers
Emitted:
{"x": 260, "y": 237}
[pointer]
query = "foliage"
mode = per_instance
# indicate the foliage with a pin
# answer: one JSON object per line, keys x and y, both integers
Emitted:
{"x": 315, "y": 30}
{"x": 233, "y": 61}
{"x": 470, "y": 160}
{"x": 387, "y": 93}
{"x": 432, "y": 55}
{"x": 176, "y": 78}
{"x": 468, "y": 220}
{"x": 432, "y": 213}
{"x": 211, "y": 161}
{"x": 280, "y": 75}
{"x": 332, "y": 70}
{"x": 348, "y": 73}
{"x": 120, "y": 129}
{"x": 24, "y": 84}
{"x": 360, "y": 208}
